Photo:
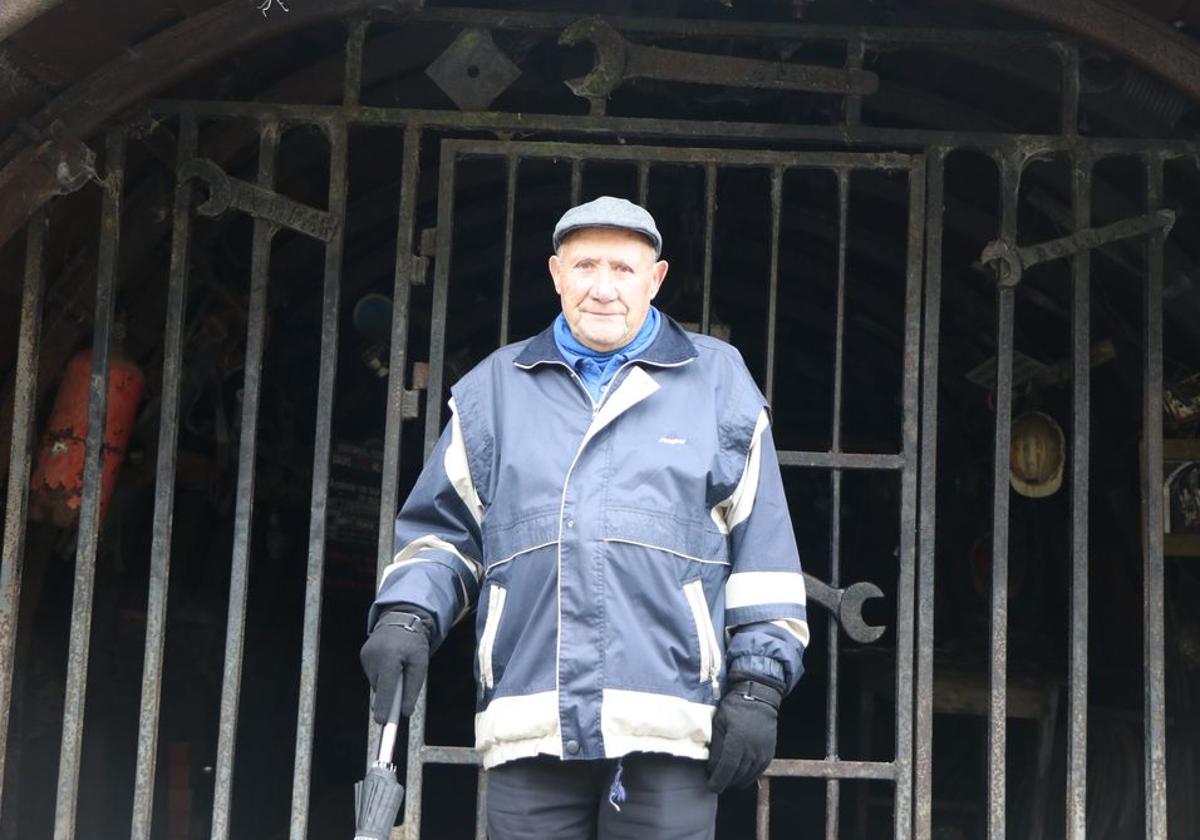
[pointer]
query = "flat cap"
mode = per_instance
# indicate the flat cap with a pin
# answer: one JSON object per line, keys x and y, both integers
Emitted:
{"x": 609, "y": 212}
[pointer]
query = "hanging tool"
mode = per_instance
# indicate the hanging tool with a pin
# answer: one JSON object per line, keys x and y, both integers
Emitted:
{"x": 618, "y": 60}
{"x": 847, "y": 606}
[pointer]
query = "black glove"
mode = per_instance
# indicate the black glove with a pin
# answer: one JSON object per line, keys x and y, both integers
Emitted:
{"x": 743, "y": 735}
{"x": 397, "y": 647}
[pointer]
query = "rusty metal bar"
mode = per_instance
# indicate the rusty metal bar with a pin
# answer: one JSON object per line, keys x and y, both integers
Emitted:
{"x": 1081, "y": 342}
{"x": 821, "y": 769}
{"x": 908, "y": 500}
{"x": 235, "y": 628}
{"x": 762, "y": 809}
{"x": 684, "y": 155}
{"x": 1154, "y": 633}
{"x": 481, "y": 792}
{"x": 576, "y": 180}
{"x": 402, "y": 283}
{"x": 643, "y": 186}
{"x": 17, "y": 500}
{"x": 840, "y": 460}
{"x": 164, "y": 492}
{"x": 89, "y": 510}
{"x": 832, "y": 790}
{"x": 510, "y": 203}
{"x": 315, "y": 576}
{"x": 1069, "y": 103}
{"x": 410, "y": 828}
{"x": 1010, "y": 180}
{"x": 935, "y": 169}
{"x": 868, "y": 137}
{"x": 773, "y": 279}
{"x": 710, "y": 214}
{"x": 441, "y": 295}
{"x": 352, "y": 74}
{"x": 855, "y": 52}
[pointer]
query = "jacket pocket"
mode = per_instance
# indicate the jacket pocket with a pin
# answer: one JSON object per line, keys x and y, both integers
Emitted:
{"x": 487, "y": 640}
{"x": 710, "y": 649}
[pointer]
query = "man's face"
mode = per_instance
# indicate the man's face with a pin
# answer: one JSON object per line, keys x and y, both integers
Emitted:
{"x": 606, "y": 279}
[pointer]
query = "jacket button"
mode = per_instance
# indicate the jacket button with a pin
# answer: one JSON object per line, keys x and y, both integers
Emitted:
{"x": 572, "y": 746}
{"x": 571, "y": 524}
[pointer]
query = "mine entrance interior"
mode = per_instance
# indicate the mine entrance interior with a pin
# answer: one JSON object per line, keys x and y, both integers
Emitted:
{"x": 296, "y": 358}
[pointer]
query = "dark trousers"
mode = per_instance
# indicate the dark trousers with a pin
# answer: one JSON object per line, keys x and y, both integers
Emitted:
{"x": 547, "y": 799}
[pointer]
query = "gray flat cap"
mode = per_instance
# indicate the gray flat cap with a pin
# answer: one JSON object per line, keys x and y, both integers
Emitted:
{"x": 609, "y": 212}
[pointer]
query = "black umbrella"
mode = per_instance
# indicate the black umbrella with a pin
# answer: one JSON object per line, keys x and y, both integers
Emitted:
{"x": 378, "y": 796}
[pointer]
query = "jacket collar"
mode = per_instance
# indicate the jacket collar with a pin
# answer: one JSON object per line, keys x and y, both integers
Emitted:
{"x": 670, "y": 347}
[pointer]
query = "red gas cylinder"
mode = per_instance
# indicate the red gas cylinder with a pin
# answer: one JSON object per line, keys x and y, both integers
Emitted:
{"x": 56, "y": 488}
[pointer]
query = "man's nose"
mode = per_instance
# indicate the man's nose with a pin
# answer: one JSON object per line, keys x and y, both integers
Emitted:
{"x": 603, "y": 287}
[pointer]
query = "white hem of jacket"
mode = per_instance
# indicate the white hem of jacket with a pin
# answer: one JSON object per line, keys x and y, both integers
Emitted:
{"x": 524, "y": 726}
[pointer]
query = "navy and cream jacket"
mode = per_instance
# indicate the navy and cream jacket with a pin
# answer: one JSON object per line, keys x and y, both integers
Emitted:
{"x": 624, "y": 555}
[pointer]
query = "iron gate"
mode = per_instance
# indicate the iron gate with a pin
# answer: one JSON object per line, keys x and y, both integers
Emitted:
{"x": 915, "y": 461}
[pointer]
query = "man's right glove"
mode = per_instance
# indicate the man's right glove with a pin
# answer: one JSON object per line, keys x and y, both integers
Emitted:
{"x": 397, "y": 647}
{"x": 743, "y": 735}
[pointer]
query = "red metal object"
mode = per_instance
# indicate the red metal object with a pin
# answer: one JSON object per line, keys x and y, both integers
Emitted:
{"x": 56, "y": 488}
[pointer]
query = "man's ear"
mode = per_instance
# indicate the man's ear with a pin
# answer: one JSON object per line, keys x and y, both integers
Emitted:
{"x": 555, "y": 268}
{"x": 658, "y": 274}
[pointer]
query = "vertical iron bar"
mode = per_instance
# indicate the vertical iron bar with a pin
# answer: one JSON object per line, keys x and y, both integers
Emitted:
{"x": 441, "y": 297}
{"x": 89, "y": 511}
{"x": 402, "y": 284}
{"x": 352, "y": 74}
{"x": 1069, "y": 115}
{"x": 510, "y": 202}
{"x": 164, "y": 492}
{"x": 643, "y": 186}
{"x": 315, "y": 577}
{"x": 1010, "y": 179}
{"x": 908, "y": 500}
{"x": 411, "y": 830}
{"x": 773, "y": 294}
{"x": 235, "y": 627}
{"x": 576, "y": 180}
{"x": 935, "y": 162}
{"x": 1077, "y": 717}
{"x": 832, "y": 786}
{"x": 17, "y": 500}
{"x": 762, "y": 809}
{"x": 481, "y": 805}
{"x": 855, "y": 51}
{"x": 710, "y": 214}
{"x": 1152, "y": 596}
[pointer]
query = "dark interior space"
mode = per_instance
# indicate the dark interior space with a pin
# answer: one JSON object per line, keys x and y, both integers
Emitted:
{"x": 843, "y": 297}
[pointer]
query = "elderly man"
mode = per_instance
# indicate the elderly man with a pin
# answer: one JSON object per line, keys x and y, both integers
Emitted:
{"x": 608, "y": 494}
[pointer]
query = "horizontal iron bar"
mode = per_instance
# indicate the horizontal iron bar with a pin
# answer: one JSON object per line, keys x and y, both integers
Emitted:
{"x": 841, "y": 460}
{"x": 816, "y": 768}
{"x": 448, "y": 755}
{"x": 1032, "y": 144}
{"x": 767, "y": 30}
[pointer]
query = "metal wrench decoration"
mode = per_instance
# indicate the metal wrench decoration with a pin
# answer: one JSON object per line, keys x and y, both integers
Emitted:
{"x": 225, "y": 192}
{"x": 847, "y": 606}
{"x": 1009, "y": 262}
{"x": 618, "y": 60}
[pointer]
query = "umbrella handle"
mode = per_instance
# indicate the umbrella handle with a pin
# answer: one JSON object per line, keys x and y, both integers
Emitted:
{"x": 387, "y": 739}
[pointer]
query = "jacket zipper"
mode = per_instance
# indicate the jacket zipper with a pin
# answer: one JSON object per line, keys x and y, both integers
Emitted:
{"x": 487, "y": 640}
{"x": 710, "y": 651}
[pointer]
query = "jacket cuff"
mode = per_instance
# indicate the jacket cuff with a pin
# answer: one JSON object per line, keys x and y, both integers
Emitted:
{"x": 762, "y": 669}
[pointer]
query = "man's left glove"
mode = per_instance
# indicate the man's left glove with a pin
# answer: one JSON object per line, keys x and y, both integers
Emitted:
{"x": 743, "y": 734}
{"x": 397, "y": 647}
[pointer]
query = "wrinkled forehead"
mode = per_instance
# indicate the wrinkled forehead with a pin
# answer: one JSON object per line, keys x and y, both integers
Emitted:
{"x": 602, "y": 241}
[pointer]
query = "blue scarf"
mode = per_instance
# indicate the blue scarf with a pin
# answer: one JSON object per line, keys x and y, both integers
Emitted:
{"x": 597, "y": 369}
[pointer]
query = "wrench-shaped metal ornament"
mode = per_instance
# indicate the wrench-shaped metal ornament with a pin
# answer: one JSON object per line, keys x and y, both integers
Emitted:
{"x": 618, "y": 60}
{"x": 847, "y": 606}
{"x": 225, "y": 192}
{"x": 1010, "y": 262}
